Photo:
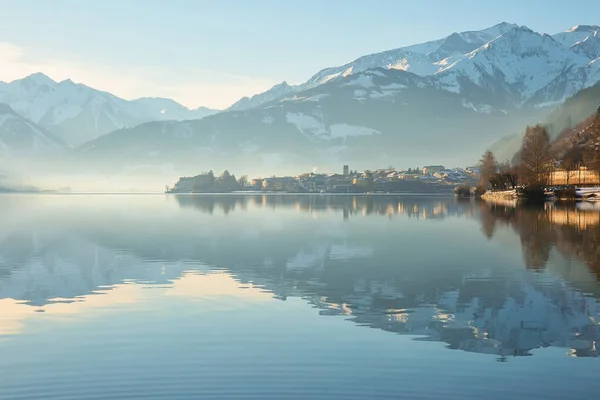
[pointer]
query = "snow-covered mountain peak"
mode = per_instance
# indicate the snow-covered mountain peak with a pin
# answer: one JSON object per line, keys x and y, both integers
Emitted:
{"x": 425, "y": 59}
{"x": 584, "y": 28}
{"x": 521, "y": 66}
{"x": 577, "y": 34}
{"x": 589, "y": 47}
{"x": 77, "y": 113}
{"x": 37, "y": 79}
{"x": 521, "y": 41}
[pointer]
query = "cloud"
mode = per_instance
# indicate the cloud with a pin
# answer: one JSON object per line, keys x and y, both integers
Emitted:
{"x": 190, "y": 86}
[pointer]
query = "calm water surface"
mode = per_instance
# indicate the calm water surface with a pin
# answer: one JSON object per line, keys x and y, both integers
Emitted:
{"x": 277, "y": 297}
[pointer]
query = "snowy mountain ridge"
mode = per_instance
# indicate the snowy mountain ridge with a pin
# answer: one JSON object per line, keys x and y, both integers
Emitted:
{"x": 513, "y": 62}
{"x": 77, "y": 113}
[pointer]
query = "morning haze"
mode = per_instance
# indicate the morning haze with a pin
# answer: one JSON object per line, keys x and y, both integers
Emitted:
{"x": 299, "y": 199}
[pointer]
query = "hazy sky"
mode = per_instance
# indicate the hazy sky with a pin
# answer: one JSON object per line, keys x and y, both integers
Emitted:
{"x": 214, "y": 52}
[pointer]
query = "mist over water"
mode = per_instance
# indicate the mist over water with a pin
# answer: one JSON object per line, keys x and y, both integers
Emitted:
{"x": 270, "y": 296}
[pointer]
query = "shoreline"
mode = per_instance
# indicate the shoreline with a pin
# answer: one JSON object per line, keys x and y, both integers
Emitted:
{"x": 432, "y": 194}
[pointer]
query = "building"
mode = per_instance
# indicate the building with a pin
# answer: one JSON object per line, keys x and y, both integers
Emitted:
{"x": 346, "y": 170}
{"x": 407, "y": 177}
{"x": 361, "y": 181}
{"x": 336, "y": 179}
{"x": 280, "y": 184}
{"x": 257, "y": 183}
{"x": 579, "y": 177}
{"x": 432, "y": 169}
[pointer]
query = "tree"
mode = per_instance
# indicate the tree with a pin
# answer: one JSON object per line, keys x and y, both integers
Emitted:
{"x": 210, "y": 180}
{"x": 505, "y": 178}
{"x": 227, "y": 182}
{"x": 511, "y": 175}
{"x": 536, "y": 157}
{"x": 243, "y": 181}
{"x": 488, "y": 168}
{"x": 594, "y": 145}
{"x": 369, "y": 176}
{"x": 571, "y": 161}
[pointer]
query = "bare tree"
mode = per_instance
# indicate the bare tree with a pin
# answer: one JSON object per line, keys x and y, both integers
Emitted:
{"x": 593, "y": 153}
{"x": 506, "y": 177}
{"x": 536, "y": 157}
{"x": 243, "y": 181}
{"x": 488, "y": 168}
{"x": 571, "y": 162}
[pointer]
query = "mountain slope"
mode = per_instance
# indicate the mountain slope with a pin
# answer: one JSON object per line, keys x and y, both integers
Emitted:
{"x": 23, "y": 138}
{"x": 275, "y": 92}
{"x": 522, "y": 66}
{"x": 77, "y": 113}
{"x": 419, "y": 59}
{"x": 511, "y": 63}
{"x": 378, "y": 117}
{"x": 573, "y": 112}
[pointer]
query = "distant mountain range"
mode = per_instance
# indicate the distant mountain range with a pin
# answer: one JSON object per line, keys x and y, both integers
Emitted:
{"x": 378, "y": 117}
{"x": 444, "y": 101}
{"x": 76, "y": 113}
{"x": 20, "y": 136}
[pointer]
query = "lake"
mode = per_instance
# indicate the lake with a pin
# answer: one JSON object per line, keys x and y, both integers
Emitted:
{"x": 297, "y": 297}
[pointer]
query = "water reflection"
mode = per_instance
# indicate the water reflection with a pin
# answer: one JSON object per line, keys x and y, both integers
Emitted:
{"x": 573, "y": 230}
{"x": 430, "y": 207}
{"x": 464, "y": 281}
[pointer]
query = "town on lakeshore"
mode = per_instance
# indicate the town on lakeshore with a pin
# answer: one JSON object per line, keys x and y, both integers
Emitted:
{"x": 428, "y": 179}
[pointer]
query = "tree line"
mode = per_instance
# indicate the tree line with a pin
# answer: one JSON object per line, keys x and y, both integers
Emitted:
{"x": 538, "y": 158}
{"x": 226, "y": 182}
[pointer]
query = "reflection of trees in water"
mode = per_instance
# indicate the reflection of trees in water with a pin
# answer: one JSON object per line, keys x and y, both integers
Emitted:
{"x": 574, "y": 232}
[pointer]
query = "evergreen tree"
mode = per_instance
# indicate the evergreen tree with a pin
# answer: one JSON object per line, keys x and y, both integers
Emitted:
{"x": 210, "y": 181}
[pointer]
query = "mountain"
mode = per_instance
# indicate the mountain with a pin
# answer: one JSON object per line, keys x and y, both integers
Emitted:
{"x": 419, "y": 59}
{"x": 564, "y": 118}
{"x": 581, "y": 142}
{"x": 275, "y": 92}
{"x": 511, "y": 62}
{"x": 378, "y": 117}
{"x": 22, "y": 137}
{"x": 581, "y": 39}
{"x": 440, "y": 102}
{"x": 77, "y": 113}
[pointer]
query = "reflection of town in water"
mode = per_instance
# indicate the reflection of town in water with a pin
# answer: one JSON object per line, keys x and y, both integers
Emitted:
{"x": 424, "y": 207}
{"x": 442, "y": 281}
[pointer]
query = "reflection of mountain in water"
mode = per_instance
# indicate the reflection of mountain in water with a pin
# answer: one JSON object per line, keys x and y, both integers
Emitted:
{"x": 398, "y": 274}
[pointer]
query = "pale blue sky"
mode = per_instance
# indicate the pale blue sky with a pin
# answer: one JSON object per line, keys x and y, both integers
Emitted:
{"x": 202, "y": 52}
